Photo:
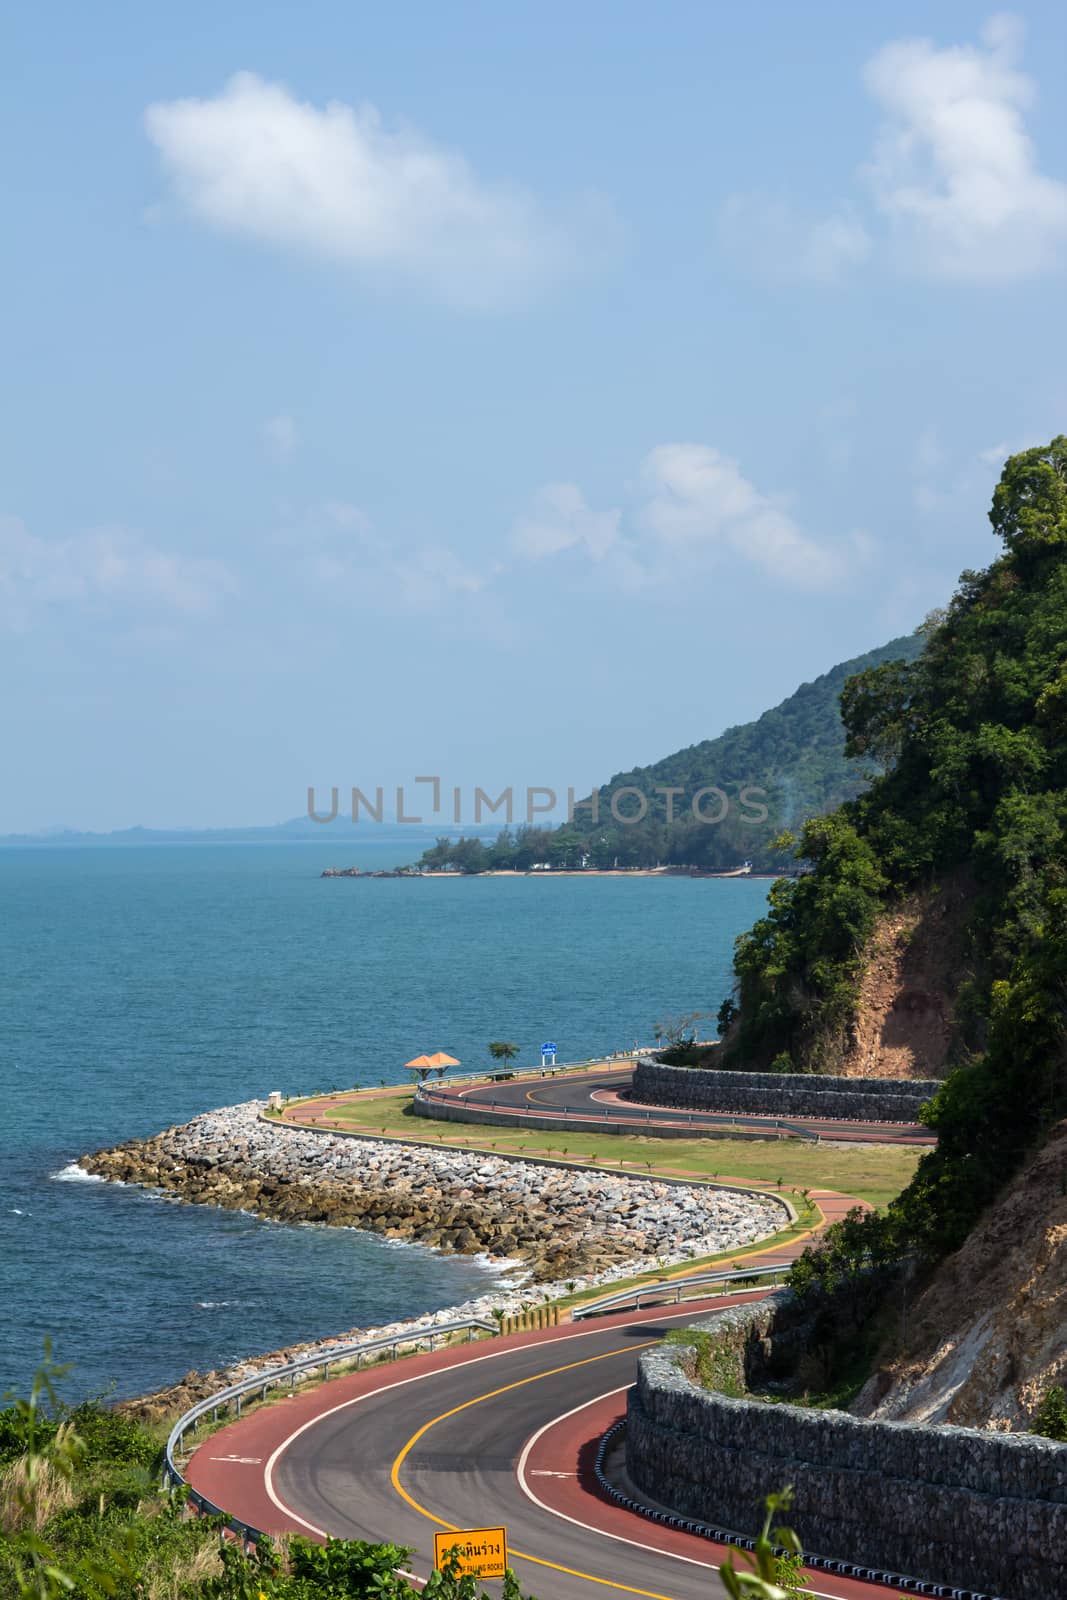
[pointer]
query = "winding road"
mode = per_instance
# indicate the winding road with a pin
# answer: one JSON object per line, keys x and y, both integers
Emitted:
{"x": 597, "y": 1095}
{"x": 503, "y": 1431}
{"x": 476, "y": 1437}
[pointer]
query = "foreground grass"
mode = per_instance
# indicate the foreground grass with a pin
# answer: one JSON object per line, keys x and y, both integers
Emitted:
{"x": 873, "y": 1172}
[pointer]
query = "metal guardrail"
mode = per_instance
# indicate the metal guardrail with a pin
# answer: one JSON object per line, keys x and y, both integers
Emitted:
{"x": 260, "y": 1382}
{"x": 672, "y": 1290}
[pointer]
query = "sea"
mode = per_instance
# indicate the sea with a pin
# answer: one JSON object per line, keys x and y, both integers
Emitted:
{"x": 142, "y": 984}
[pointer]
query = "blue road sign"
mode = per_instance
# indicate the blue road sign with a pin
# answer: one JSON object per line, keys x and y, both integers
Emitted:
{"x": 548, "y": 1049}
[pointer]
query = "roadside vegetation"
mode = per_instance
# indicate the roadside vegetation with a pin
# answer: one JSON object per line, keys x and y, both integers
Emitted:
{"x": 971, "y": 739}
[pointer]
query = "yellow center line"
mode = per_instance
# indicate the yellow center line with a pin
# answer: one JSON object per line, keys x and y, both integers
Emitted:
{"x": 531, "y": 1096}
{"x": 492, "y": 1394}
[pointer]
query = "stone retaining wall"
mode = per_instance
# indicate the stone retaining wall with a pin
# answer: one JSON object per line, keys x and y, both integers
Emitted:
{"x": 985, "y": 1511}
{"x": 780, "y": 1094}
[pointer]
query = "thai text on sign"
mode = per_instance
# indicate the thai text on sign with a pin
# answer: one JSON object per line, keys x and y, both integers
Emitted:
{"x": 481, "y": 1551}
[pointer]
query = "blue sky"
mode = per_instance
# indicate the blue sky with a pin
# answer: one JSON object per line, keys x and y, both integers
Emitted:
{"x": 513, "y": 393}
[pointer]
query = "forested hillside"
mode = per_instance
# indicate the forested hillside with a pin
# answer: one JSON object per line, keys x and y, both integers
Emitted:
{"x": 791, "y": 760}
{"x": 795, "y": 753}
{"x": 974, "y": 736}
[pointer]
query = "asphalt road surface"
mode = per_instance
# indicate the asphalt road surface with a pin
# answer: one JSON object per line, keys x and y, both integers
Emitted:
{"x": 477, "y": 1436}
{"x": 597, "y": 1093}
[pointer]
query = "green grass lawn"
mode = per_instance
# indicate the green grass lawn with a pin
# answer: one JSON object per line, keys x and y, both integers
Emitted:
{"x": 873, "y": 1172}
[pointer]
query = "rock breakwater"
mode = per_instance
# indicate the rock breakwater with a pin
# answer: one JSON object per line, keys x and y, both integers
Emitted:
{"x": 557, "y": 1222}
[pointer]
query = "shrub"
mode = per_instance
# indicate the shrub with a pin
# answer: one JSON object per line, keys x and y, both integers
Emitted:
{"x": 1050, "y": 1420}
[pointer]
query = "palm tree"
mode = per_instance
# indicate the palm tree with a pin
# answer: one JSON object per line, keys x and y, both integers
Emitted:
{"x": 503, "y": 1050}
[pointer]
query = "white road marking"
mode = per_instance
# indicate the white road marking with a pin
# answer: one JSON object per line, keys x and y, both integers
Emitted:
{"x": 398, "y": 1383}
{"x": 521, "y": 1475}
{"x": 241, "y": 1461}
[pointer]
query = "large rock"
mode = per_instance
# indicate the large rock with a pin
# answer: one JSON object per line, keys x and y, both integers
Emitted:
{"x": 554, "y": 1220}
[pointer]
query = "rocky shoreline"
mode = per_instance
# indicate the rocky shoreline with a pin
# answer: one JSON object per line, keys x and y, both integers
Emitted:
{"x": 559, "y": 1226}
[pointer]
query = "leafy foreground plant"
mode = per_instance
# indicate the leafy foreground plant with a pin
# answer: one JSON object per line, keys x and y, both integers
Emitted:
{"x": 340, "y": 1569}
{"x": 775, "y": 1564}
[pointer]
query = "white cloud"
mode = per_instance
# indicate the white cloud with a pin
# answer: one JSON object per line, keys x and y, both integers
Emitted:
{"x": 346, "y": 516}
{"x": 954, "y": 174}
{"x": 424, "y": 580}
{"x": 336, "y": 183}
{"x": 699, "y": 497}
{"x": 561, "y": 519}
{"x": 691, "y": 503}
{"x": 775, "y": 240}
{"x": 348, "y": 557}
{"x": 954, "y": 170}
{"x": 281, "y": 437}
{"x": 100, "y": 574}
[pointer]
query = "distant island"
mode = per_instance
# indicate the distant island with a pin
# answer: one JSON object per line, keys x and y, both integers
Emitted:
{"x": 542, "y": 869}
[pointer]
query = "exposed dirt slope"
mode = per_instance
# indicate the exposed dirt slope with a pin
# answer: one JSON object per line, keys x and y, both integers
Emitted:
{"x": 904, "y": 1026}
{"x": 989, "y": 1334}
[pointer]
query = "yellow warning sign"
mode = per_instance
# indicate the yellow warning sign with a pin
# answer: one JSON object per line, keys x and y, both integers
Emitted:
{"x": 481, "y": 1551}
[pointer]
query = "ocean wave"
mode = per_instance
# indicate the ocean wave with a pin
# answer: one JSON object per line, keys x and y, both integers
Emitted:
{"x": 72, "y": 1173}
{"x": 219, "y": 1305}
{"x": 502, "y": 1266}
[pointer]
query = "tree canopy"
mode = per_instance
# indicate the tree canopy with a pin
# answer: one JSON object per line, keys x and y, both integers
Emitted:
{"x": 971, "y": 737}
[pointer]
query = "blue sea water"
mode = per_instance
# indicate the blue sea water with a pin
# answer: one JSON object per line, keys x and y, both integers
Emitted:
{"x": 141, "y": 985}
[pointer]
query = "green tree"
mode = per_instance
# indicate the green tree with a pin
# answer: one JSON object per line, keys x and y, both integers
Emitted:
{"x": 974, "y": 792}
{"x": 566, "y": 848}
{"x": 877, "y": 707}
{"x": 1030, "y": 503}
{"x": 1051, "y": 1418}
{"x": 503, "y": 1050}
{"x": 469, "y": 856}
